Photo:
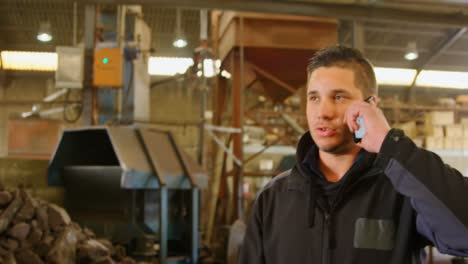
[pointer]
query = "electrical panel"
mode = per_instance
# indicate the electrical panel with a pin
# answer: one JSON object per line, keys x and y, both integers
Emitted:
{"x": 108, "y": 67}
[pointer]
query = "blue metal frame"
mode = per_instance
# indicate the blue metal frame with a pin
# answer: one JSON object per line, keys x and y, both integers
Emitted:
{"x": 195, "y": 217}
{"x": 164, "y": 226}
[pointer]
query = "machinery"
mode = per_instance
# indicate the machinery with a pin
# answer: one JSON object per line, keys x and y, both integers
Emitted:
{"x": 132, "y": 185}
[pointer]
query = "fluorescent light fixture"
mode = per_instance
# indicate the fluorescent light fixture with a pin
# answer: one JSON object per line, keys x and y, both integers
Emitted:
{"x": 394, "y": 76}
{"x": 44, "y": 37}
{"x": 443, "y": 79}
{"x": 180, "y": 41}
{"x": 29, "y": 61}
{"x": 411, "y": 56}
{"x": 44, "y": 34}
{"x": 168, "y": 66}
{"x": 411, "y": 51}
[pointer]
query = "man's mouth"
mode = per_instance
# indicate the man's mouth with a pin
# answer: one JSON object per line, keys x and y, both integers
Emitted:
{"x": 326, "y": 131}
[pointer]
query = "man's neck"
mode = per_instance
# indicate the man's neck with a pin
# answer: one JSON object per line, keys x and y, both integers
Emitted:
{"x": 335, "y": 166}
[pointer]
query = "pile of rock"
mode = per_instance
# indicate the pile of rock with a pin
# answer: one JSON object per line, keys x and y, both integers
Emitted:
{"x": 33, "y": 231}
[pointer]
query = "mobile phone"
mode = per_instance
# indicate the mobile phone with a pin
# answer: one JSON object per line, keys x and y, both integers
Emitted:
{"x": 361, "y": 132}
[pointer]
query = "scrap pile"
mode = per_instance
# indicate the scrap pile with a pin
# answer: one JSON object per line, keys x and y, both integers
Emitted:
{"x": 33, "y": 231}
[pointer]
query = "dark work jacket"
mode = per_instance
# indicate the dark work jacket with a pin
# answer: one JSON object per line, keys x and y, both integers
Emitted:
{"x": 389, "y": 207}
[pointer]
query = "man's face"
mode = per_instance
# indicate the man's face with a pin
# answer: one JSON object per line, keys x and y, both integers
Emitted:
{"x": 330, "y": 91}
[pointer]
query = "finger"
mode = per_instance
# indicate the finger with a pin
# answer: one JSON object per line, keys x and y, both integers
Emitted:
{"x": 350, "y": 121}
{"x": 353, "y": 119}
{"x": 352, "y": 113}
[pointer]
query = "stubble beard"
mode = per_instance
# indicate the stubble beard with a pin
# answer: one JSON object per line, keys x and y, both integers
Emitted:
{"x": 342, "y": 147}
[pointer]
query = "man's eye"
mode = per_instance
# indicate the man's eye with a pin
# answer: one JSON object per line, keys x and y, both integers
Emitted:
{"x": 313, "y": 98}
{"x": 339, "y": 97}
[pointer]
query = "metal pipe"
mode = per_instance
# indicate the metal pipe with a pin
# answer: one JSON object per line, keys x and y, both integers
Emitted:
{"x": 53, "y": 96}
{"x": 239, "y": 187}
{"x": 225, "y": 149}
{"x": 261, "y": 151}
{"x": 75, "y": 23}
{"x": 203, "y": 24}
{"x": 292, "y": 123}
{"x": 51, "y": 111}
{"x": 178, "y": 22}
{"x": 223, "y": 129}
{"x": 169, "y": 123}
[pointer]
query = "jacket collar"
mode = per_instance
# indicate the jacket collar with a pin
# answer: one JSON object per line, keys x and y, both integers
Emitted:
{"x": 301, "y": 175}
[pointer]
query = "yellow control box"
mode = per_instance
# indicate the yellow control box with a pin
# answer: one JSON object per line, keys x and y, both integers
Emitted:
{"x": 108, "y": 67}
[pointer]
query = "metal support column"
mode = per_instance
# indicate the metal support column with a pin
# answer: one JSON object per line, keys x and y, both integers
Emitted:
{"x": 358, "y": 36}
{"x": 164, "y": 226}
{"x": 343, "y": 31}
{"x": 195, "y": 216}
{"x": 204, "y": 85}
{"x": 212, "y": 200}
{"x": 121, "y": 12}
{"x": 89, "y": 41}
{"x": 201, "y": 135}
{"x": 237, "y": 62}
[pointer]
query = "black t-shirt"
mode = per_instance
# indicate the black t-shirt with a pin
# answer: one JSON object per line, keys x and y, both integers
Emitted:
{"x": 329, "y": 189}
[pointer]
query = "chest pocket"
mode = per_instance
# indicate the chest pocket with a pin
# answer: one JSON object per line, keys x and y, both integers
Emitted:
{"x": 374, "y": 234}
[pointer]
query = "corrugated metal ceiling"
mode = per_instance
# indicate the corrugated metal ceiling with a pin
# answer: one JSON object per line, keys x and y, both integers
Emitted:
{"x": 385, "y": 42}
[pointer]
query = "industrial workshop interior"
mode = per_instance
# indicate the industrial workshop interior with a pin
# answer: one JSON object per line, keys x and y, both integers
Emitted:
{"x": 142, "y": 131}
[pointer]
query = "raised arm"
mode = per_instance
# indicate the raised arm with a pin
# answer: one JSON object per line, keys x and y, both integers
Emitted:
{"x": 438, "y": 193}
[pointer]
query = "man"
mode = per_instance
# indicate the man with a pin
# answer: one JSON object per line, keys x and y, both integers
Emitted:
{"x": 377, "y": 201}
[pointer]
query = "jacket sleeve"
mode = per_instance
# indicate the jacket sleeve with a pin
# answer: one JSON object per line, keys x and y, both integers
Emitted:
{"x": 252, "y": 246}
{"x": 438, "y": 193}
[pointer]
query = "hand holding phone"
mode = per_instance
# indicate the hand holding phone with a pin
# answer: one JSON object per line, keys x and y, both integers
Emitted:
{"x": 361, "y": 132}
{"x": 368, "y": 124}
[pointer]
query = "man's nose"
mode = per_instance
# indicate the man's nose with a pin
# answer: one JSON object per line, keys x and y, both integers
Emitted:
{"x": 326, "y": 109}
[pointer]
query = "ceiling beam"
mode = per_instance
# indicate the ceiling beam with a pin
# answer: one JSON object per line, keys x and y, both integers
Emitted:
{"x": 272, "y": 78}
{"x": 433, "y": 55}
{"x": 34, "y": 29}
{"x": 57, "y": 10}
{"x": 441, "y": 47}
{"x": 359, "y": 12}
{"x": 457, "y": 52}
{"x": 406, "y": 31}
{"x": 393, "y": 48}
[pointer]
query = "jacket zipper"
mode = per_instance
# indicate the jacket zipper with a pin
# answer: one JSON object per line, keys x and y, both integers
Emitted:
{"x": 326, "y": 239}
{"x": 326, "y": 236}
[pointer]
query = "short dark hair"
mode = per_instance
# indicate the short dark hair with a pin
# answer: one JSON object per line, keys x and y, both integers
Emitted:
{"x": 346, "y": 57}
